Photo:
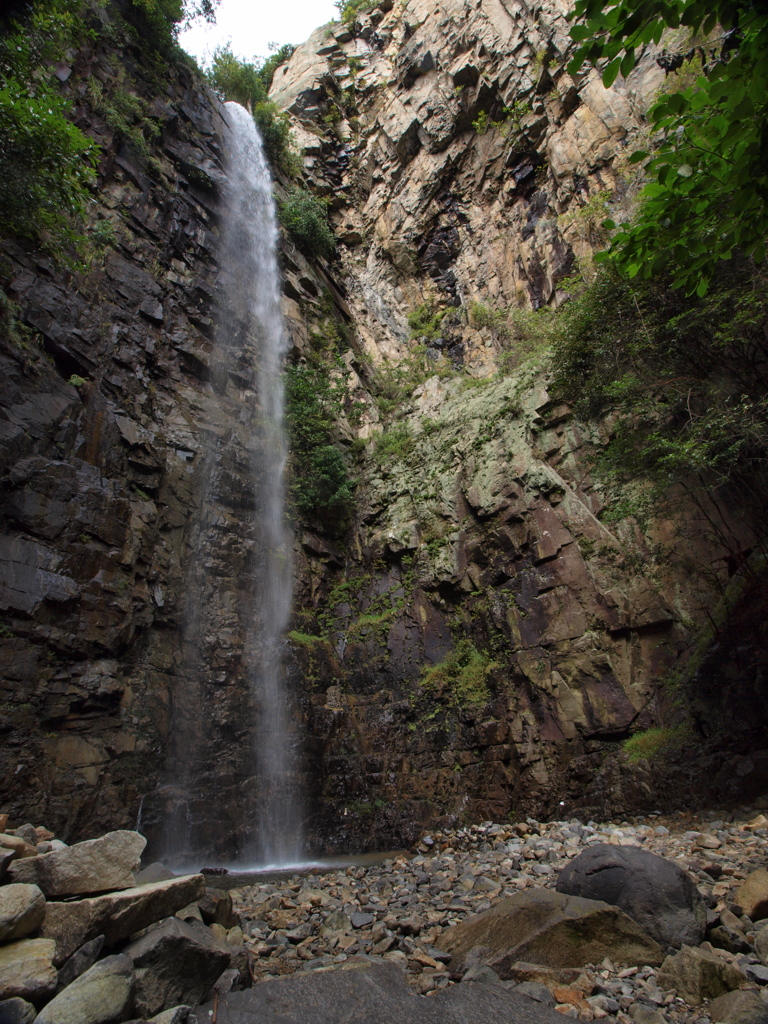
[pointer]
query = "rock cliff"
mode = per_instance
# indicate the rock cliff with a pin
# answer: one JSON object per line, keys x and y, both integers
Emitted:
{"x": 479, "y": 638}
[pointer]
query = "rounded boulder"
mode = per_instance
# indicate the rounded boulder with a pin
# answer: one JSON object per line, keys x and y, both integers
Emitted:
{"x": 657, "y": 894}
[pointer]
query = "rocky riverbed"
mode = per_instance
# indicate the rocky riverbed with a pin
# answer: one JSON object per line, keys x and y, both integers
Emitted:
{"x": 490, "y": 917}
{"x": 401, "y": 909}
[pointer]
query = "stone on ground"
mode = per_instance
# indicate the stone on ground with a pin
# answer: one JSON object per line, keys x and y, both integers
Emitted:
{"x": 549, "y": 928}
{"x": 374, "y": 994}
{"x": 103, "y": 995}
{"x": 154, "y": 872}
{"x": 27, "y": 971}
{"x": 176, "y": 1015}
{"x": 117, "y": 915}
{"x": 696, "y": 975}
{"x": 752, "y": 895}
{"x": 80, "y": 961}
{"x": 739, "y": 1007}
{"x": 16, "y": 1011}
{"x": 654, "y": 892}
{"x": 175, "y": 961}
{"x": 97, "y": 865}
{"x": 761, "y": 945}
{"x": 216, "y": 908}
{"x": 22, "y": 909}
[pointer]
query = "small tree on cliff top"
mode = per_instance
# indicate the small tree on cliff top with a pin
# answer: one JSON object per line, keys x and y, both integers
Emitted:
{"x": 708, "y": 167}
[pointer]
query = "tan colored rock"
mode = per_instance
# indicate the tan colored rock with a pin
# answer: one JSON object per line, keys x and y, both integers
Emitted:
{"x": 117, "y": 915}
{"x": 22, "y": 909}
{"x": 3, "y": 822}
{"x": 27, "y": 971}
{"x": 752, "y": 895}
{"x": 696, "y": 975}
{"x": 545, "y": 927}
{"x": 97, "y": 865}
{"x": 19, "y": 846}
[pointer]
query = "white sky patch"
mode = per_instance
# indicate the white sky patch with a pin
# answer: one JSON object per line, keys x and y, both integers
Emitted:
{"x": 251, "y": 26}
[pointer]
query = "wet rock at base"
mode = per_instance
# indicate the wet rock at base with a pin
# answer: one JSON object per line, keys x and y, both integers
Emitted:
{"x": 103, "y": 995}
{"x": 697, "y": 974}
{"x": 116, "y": 915}
{"x": 22, "y": 909}
{"x": 375, "y": 994}
{"x": 739, "y": 1008}
{"x": 16, "y": 1011}
{"x": 27, "y": 971}
{"x": 175, "y": 961}
{"x": 653, "y": 891}
{"x": 97, "y": 865}
{"x": 549, "y": 928}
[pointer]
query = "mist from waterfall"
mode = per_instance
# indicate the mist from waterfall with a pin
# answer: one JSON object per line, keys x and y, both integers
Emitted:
{"x": 261, "y": 808}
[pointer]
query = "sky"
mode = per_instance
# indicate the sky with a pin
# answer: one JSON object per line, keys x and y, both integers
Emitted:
{"x": 252, "y": 24}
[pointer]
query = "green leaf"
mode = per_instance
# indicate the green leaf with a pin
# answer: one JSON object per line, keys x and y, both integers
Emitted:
{"x": 611, "y": 73}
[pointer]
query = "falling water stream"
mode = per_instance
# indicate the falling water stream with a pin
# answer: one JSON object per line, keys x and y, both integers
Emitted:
{"x": 248, "y": 320}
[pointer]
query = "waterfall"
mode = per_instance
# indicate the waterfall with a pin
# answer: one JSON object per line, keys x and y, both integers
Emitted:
{"x": 230, "y": 786}
{"x": 249, "y": 254}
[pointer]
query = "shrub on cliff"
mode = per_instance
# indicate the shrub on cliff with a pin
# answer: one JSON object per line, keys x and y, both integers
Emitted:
{"x": 320, "y": 488}
{"x": 46, "y": 162}
{"x": 248, "y": 84}
{"x": 707, "y": 194}
{"x": 305, "y": 218}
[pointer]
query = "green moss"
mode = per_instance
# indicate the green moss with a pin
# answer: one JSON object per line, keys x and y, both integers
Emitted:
{"x": 652, "y": 742}
{"x": 396, "y": 443}
{"x": 461, "y": 678}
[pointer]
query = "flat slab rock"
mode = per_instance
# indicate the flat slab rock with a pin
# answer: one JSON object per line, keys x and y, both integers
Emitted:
{"x": 550, "y": 928}
{"x": 97, "y": 865}
{"x": 374, "y": 994}
{"x": 117, "y": 914}
{"x": 22, "y": 909}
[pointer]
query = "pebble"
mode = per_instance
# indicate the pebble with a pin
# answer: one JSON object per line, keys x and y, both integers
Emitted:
{"x": 397, "y": 910}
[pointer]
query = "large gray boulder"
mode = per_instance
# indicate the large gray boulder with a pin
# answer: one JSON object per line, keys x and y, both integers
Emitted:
{"x": 545, "y": 927}
{"x": 116, "y": 915}
{"x": 175, "y": 962}
{"x": 27, "y": 971}
{"x": 374, "y": 994}
{"x": 97, "y": 865}
{"x": 654, "y": 892}
{"x": 22, "y": 909}
{"x": 103, "y": 995}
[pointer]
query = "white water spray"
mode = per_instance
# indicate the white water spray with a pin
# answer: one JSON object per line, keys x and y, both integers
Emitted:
{"x": 260, "y": 803}
{"x": 252, "y": 300}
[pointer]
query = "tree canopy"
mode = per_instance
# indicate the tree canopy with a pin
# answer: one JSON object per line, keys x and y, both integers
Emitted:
{"x": 707, "y": 159}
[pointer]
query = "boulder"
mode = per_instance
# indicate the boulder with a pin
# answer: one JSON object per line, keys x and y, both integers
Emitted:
{"x": 155, "y": 872}
{"x": 752, "y": 895}
{"x": 6, "y": 859}
{"x": 22, "y": 909}
{"x": 761, "y": 945}
{"x": 175, "y": 961}
{"x": 27, "y": 971}
{"x": 116, "y": 915}
{"x": 654, "y": 892}
{"x": 216, "y": 908}
{"x": 549, "y": 928}
{"x": 738, "y": 1007}
{"x": 16, "y": 1011}
{"x": 103, "y": 995}
{"x": 80, "y": 962}
{"x": 96, "y": 865}
{"x": 373, "y": 994}
{"x": 696, "y": 975}
{"x": 20, "y": 847}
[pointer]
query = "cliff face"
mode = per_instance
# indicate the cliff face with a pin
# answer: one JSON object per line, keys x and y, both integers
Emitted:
{"x": 484, "y": 638}
{"x": 479, "y": 637}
